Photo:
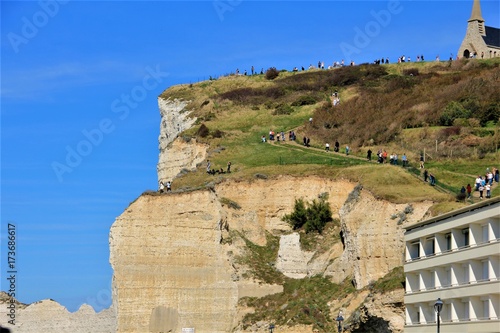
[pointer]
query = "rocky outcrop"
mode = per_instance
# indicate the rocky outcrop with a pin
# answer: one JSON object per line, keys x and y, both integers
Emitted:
{"x": 292, "y": 260}
{"x": 175, "y": 118}
{"x": 380, "y": 314}
{"x": 49, "y": 316}
{"x": 372, "y": 232}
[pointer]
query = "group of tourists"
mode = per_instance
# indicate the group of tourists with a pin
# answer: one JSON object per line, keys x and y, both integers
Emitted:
{"x": 217, "y": 171}
{"x": 383, "y": 156}
{"x": 483, "y": 183}
{"x": 167, "y": 185}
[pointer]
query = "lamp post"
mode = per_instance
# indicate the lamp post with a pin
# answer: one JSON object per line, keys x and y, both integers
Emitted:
{"x": 340, "y": 319}
{"x": 438, "y": 306}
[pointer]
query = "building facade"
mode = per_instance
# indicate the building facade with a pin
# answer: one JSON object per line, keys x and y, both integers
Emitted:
{"x": 455, "y": 257}
{"x": 481, "y": 41}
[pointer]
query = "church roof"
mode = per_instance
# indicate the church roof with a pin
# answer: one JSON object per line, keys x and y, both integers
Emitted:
{"x": 492, "y": 37}
{"x": 476, "y": 12}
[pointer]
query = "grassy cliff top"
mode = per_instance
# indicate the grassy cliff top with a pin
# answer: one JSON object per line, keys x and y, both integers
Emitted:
{"x": 448, "y": 111}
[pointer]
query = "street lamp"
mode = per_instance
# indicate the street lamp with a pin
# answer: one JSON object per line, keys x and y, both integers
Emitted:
{"x": 340, "y": 319}
{"x": 438, "y": 306}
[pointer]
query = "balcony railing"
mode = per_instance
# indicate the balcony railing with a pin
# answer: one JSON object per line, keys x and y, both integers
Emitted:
{"x": 430, "y": 255}
{"x": 454, "y": 285}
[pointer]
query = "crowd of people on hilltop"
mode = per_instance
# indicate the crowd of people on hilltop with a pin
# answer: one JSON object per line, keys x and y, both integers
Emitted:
{"x": 341, "y": 63}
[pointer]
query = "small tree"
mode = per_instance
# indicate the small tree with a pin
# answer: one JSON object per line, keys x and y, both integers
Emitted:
{"x": 318, "y": 214}
{"x": 299, "y": 215}
{"x": 314, "y": 217}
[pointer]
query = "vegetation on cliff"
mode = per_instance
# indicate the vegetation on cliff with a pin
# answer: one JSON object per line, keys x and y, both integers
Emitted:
{"x": 447, "y": 111}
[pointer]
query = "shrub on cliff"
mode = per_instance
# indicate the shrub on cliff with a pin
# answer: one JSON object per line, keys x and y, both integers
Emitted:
{"x": 311, "y": 216}
{"x": 272, "y": 73}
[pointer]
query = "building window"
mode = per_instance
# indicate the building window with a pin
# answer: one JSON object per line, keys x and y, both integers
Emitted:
{"x": 466, "y": 236}
{"x": 448, "y": 241}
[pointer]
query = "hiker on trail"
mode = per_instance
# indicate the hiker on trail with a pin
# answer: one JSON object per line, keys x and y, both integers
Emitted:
{"x": 489, "y": 177}
{"x": 497, "y": 175}
{"x": 478, "y": 182}
{"x": 481, "y": 189}
{"x": 469, "y": 191}
{"x": 208, "y": 166}
{"x": 462, "y": 190}
{"x": 337, "y": 146}
{"x": 327, "y": 147}
{"x": 369, "y": 155}
{"x": 347, "y": 150}
{"x": 305, "y": 140}
{"x": 421, "y": 160}
{"x": 263, "y": 138}
{"x": 308, "y": 141}
{"x": 229, "y": 167}
{"x": 487, "y": 187}
{"x": 162, "y": 186}
{"x": 282, "y": 136}
{"x": 405, "y": 160}
{"x": 426, "y": 174}
{"x": 432, "y": 179}
{"x": 169, "y": 186}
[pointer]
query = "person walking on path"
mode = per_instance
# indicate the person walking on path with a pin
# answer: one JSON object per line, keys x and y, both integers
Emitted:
{"x": 481, "y": 190}
{"x": 469, "y": 191}
{"x": 426, "y": 174}
{"x": 487, "y": 187}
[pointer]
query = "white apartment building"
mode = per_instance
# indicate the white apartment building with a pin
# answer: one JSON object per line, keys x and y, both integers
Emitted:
{"x": 455, "y": 257}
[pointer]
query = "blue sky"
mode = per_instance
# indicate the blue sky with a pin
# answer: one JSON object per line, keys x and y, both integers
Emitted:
{"x": 79, "y": 116}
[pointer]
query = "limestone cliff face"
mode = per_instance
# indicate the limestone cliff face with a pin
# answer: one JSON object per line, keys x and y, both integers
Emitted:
{"x": 51, "y": 317}
{"x": 373, "y": 237}
{"x": 173, "y": 268}
{"x": 176, "y": 155}
{"x": 170, "y": 270}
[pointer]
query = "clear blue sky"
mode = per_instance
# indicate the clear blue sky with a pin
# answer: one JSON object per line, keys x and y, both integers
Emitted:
{"x": 79, "y": 117}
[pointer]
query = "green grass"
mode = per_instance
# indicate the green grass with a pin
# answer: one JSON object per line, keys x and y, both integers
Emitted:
{"x": 261, "y": 260}
{"x": 395, "y": 279}
{"x": 303, "y": 301}
{"x": 243, "y": 126}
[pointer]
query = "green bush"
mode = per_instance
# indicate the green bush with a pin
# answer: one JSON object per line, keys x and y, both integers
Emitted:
{"x": 283, "y": 109}
{"x": 311, "y": 216}
{"x": 299, "y": 215}
{"x": 304, "y": 100}
{"x": 453, "y": 111}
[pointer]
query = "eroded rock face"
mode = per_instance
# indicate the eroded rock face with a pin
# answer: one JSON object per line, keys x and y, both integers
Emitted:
{"x": 49, "y": 316}
{"x": 373, "y": 236}
{"x": 174, "y": 268}
{"x": 170, "y": 270}
{"x": 176, "y": 153}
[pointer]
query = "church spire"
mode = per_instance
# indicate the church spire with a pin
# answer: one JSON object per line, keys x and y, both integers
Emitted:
{"x": 476, "y": 12}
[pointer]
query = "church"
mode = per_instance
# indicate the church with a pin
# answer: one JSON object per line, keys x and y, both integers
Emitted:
{"x": 480, "y": 41}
